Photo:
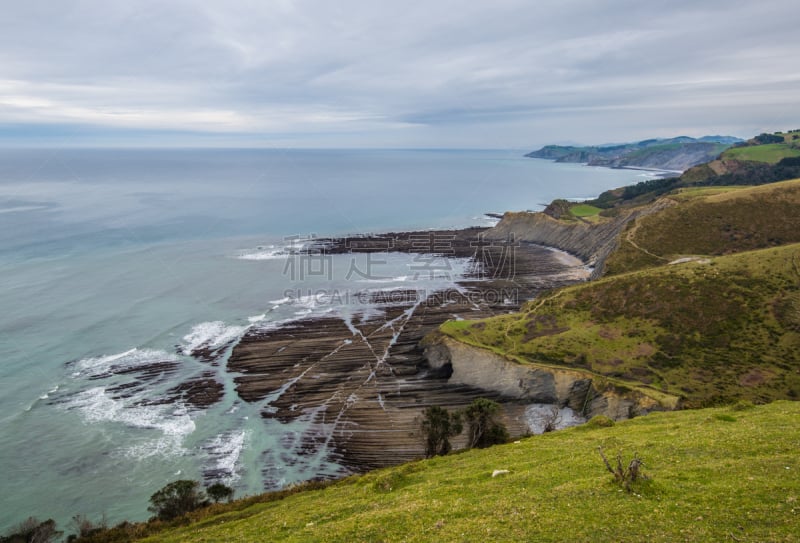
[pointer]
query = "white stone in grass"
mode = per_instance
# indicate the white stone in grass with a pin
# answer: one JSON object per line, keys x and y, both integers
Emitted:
{"x": 497, "y": 472}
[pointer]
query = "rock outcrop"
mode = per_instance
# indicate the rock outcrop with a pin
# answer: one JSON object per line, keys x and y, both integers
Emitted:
{"x": 591, "y": 242}
{"x": 583, "y": 392}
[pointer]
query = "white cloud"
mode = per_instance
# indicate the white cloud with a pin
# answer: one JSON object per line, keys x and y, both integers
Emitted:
{"x": 356, "y": 72}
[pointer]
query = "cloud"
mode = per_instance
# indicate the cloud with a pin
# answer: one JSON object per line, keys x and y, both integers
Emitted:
{"x": 433, "y": 73}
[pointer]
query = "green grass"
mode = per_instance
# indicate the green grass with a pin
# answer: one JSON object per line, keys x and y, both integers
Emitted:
{"x": 711, "y": 333}
{"x": 771, "y": 153}
{"x": 714, "y": 475}
{"x": 693, "y": 193}
{"x": 711, "y": 221}
{"x": 584, "y": 210}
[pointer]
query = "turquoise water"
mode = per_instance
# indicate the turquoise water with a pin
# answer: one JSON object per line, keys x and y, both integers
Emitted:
{"x": 114, "y": 259}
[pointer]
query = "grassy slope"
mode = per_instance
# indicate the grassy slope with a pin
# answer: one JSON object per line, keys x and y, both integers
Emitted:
{"x": 712, "y": 221}
{"x": 715, "y": 475}
{"x": 709, "y": 332}
{"x": 771, "y": 153}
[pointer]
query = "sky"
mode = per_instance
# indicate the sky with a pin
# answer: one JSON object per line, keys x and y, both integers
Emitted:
{"x": 410, "y": 74}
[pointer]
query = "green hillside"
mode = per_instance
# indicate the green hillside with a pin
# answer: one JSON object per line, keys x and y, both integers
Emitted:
{"x": 711, "y": 221}
{"x": 714, "y": 475}
{"x": 710, "y": 331}
{"x": 771, "y": 153}
{"x": 766, "y": 158}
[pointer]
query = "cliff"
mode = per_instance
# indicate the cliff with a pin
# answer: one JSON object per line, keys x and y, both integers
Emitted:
{"x": 592, "y": 242}
{"x": 583, "y": 392}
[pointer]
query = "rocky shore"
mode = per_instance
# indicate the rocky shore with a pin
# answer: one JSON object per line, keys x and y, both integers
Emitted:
{"x": 360, "y": 384}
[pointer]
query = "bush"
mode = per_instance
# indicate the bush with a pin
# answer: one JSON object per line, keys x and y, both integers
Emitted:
{"x": 438, "y": 426}
{"x": 219, "y": 492}
{"x": 176, "y": 499}
{"x": 484, "y": 428}
{"x": 624, "y": 476}
{"x": 599, "y": 421}
{"x": 32, "y": 531}
{"x": 84, "y": 527}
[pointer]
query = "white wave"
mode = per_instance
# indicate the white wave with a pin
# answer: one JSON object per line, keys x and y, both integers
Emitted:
{"x": 225, "y": 450}
{"x": 96, "y": 366}
{"x": 211, "y": 335}
{"x": 257, "y": 318}
{"x": 312, "y": 301}
{"x": 281, "y": 301}
{"x": 398, "y": 279}
{"x": 263, "y": 254}
{"x": 173, "y": 421}
{"x": 46, "y": 395}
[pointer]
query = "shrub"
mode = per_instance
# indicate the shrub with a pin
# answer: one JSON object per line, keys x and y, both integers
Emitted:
{"x": 599, "y": 421}
{"x": 84, "y": 527}
{"x": 32, "y": 531}
{"x": 219, "y": 491}
{"x": 438, "y": 426}
{"x": 176, "y": 499}
{"x": 484, "y": 428}
{"x": 624, "y": 476}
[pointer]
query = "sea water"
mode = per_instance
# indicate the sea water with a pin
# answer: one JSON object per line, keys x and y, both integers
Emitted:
{"x": 114, "y": 259}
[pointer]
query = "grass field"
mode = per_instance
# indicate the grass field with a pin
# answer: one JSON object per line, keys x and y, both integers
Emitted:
{"x": 771, "y": 153}
{"x": 710, "y": 332}
{"x": 714, "y": 475}
{"x": 584, "y": 210}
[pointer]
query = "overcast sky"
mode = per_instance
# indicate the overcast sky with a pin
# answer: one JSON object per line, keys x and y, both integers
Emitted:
{"x": 432, "y": 73}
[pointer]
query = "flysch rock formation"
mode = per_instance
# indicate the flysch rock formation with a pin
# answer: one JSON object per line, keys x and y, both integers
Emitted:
{"x": 360, "y": 383}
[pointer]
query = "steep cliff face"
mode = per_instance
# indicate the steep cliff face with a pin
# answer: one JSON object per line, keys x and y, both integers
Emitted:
{"x": 591, "y": 242}
{"x": 581, "y": 391}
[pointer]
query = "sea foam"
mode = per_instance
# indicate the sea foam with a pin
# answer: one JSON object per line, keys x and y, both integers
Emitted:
{"x": 100, "y": 365}
{"x": 212, "y": 334}
{"x": 172, "y": 421}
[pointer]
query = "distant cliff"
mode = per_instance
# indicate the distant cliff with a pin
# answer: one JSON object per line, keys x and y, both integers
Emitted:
{"x": 675, "y": 154}
{"x": 592, "y": 243}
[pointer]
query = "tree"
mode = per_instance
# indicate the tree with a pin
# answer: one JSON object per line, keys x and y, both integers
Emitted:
{"x": 483, "y": 427}
{"x": 438, "y": 426}
{"x": 219, "y": 492}
{"x": 176, "y": 499}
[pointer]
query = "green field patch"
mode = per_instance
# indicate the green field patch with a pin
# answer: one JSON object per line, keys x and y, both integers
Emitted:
{"x": 584, "y": 210}
{"x": 771, "y": 153}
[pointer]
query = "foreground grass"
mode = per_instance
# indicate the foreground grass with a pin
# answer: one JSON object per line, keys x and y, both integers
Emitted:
{"x": 710, "y": 332}
{"x": 715, "y": 475}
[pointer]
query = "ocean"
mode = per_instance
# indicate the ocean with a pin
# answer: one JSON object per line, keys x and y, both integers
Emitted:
{"x": 115, "y": 260}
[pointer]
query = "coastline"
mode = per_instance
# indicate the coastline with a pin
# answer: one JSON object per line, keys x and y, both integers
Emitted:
{"x": 360, "y": 383}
